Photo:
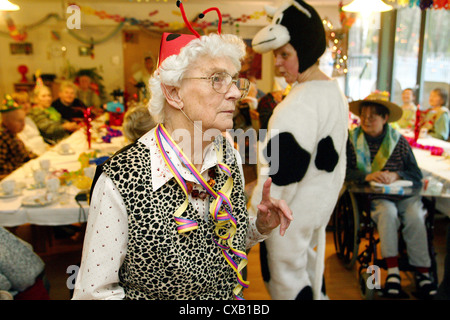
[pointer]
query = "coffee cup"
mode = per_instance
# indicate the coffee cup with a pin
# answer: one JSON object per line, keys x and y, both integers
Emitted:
{"x": 53, "y": 185}
{"x": 45, "y": 164}
{"x": 89, "y": 172}
{"x": 65, "y": 148}
{"x": 39, "y": 177}
{"x": 8, "y": 187}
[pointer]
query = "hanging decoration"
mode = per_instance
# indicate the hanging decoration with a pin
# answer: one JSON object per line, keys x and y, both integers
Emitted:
{"x": 422, "y": 4}
{"x": 13, "y": 31}
{"x": 337, "y": 42}
{"x": 227, "y": 19}
{"x": 21, "y": 35}
{"x": 347, "y": 19}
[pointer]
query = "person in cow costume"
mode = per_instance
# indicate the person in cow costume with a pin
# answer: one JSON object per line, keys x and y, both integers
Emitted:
{"x": 309, "y": 131}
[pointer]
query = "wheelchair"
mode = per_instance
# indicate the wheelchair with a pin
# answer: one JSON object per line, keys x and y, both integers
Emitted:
{"x": 352, "y": 226}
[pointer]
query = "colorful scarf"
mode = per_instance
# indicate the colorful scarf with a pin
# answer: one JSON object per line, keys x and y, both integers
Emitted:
{"x": 363, "y": 152}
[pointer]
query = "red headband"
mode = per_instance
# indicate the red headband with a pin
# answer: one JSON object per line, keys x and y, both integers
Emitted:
{"x": 171, "y": 43}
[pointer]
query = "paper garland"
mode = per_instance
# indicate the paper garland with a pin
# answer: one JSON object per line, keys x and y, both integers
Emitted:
{"x": 435, "y": 151}
{"x": 422, "y": 4}
{"x": 227, "y": 19}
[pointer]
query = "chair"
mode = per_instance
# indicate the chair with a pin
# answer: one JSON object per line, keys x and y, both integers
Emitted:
{"x": 351, "y": 223}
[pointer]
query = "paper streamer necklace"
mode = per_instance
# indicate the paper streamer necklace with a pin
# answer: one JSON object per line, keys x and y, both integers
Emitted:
{"x": 220, "y": 209}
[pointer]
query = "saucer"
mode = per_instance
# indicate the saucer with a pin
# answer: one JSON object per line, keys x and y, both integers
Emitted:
{"x": 37, "y": 201}
{"x": 68, "y": 153}
{"x": 16, "y": 193}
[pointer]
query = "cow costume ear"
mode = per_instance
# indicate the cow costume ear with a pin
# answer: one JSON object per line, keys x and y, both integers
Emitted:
{"x": 293, "y": 160}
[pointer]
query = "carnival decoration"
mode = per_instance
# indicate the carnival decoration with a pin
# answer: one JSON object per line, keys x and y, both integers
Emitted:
{"x": 435, "y": 151}
{"x": 23, "y": 70}
{"x": 87, "y": 121}
{"x": 422, "y": 4}
{"x": 417, "y": 124}
{"x": 111, "y": 133}
{"x": 115, "y": 108}
{"x": 13, "y": 31}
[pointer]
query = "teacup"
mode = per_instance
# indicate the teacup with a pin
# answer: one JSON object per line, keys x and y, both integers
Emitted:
{"x": 53, "y": 185}
{"x": 45, "y": 164}
{"x": 65, "y": 148}
{"x": 89, "y": 172}
{"x": 8, "y": 187}
{"x": 39, "y": 177}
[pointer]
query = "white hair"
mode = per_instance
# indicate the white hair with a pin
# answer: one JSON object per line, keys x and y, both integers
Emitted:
{"x": 174, "y": 67}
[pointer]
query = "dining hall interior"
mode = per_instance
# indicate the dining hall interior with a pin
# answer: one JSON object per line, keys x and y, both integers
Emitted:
{"x": 101, "y": 54}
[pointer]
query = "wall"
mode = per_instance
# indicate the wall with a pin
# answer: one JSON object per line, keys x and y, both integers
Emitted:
{"x": 109, "y": 55}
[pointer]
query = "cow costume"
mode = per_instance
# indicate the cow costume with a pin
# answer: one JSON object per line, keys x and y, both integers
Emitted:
{"x": 309, "y": 130}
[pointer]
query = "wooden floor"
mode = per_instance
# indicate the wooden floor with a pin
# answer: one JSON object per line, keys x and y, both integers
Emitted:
{"x": 341, "y": 284}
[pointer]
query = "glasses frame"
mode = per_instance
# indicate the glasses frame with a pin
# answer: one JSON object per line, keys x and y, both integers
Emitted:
{"x": 244, "y": 92}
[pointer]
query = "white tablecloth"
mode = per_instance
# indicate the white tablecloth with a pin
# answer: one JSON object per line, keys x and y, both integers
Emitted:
{"x": 64, "y": 210}
{"x": 437, "y": 168}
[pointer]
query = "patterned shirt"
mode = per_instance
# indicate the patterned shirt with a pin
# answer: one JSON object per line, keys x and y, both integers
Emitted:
{"x": 13, "y": 153}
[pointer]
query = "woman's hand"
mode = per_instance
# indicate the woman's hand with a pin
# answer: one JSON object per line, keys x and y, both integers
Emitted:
{"x": 386, "y": 177}
{"x": 272, "y": 212}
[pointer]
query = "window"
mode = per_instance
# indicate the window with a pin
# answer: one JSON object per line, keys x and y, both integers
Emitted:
{"x": 436, "y": 64}
{"x": 407, "y": 35}
{"x": 363, "y": 57}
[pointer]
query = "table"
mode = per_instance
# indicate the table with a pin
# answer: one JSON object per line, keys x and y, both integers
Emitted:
{"x": 65, "y": 210}
{"x": 435, "y": 169}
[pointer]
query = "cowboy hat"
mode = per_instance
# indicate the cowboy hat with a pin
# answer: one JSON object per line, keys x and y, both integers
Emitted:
{"x": 381, "y": 98}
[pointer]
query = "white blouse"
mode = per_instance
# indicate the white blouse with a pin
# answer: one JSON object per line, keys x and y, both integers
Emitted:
{"x": 105, "y": 243}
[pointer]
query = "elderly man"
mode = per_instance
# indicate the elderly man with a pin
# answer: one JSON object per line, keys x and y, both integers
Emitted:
{"x": 13, "y": 152}
{"x": 68, "y": 105}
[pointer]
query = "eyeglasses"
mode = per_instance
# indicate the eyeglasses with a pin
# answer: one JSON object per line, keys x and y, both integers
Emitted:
{"x": 221, "y": 82}
{"x": 372, "y": 117}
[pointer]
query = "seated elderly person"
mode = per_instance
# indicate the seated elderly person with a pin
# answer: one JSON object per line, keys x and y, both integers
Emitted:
{"x": 48, "y": 120}
{"x": 85, "y": 93}
{"x": 22, "y": 271}
{"x": 136, "y": 122}
{"x": 68, "y": 105}
{"x": 377, "y": 152}
{"x": 168, "y": 217}
{"x": 13, "y": 153}
{"x": 30, "y": 135}
{"x": 436, "y": 120}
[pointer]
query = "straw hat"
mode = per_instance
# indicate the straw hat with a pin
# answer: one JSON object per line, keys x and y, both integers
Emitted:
{"x": 381, "y": 98}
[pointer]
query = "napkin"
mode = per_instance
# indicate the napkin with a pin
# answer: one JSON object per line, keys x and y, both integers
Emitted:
{"x": 398, "y": 183}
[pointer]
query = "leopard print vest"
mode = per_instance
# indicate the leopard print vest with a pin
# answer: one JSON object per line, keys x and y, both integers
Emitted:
{"x": 160, "y": 263}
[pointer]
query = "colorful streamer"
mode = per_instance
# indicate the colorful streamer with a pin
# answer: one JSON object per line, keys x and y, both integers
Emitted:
{"x": 225, "y": 222}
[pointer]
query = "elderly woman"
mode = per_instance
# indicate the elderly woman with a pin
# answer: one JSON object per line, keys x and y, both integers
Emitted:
{"x": 30, "y": 135}
{"x": 13, "y": 152}
{"x": 48, "y": 120}
{"x": 136, "y": 122}
{"x": 376, "y": 152}
{"x": 68, "y": 105}
{"x": 168, "y": 216}
{"x": 436, "y": 120}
